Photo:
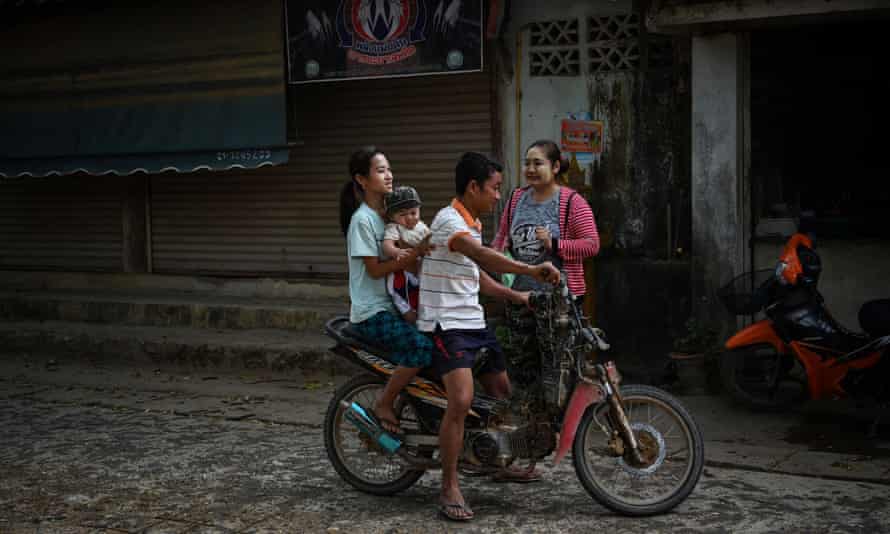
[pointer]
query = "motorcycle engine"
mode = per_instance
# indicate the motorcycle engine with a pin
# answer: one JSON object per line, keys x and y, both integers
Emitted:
{"x": 486, "y": 448}
{"x": 556, "y": 341}
{"x": 500, "y": 445}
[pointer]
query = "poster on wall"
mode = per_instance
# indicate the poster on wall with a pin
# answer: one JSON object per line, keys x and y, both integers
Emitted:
{"x": 582, "y": 136}
{"x": 330, "y": 40}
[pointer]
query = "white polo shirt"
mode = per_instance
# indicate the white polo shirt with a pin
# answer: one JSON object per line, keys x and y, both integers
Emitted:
{"x": 449, "y": 281}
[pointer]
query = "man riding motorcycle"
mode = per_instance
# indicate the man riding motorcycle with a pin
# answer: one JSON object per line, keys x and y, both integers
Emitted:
{"x": 449, "y": 310}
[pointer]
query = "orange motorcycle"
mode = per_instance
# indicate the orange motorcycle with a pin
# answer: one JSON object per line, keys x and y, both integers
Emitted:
{"x": 799, "y": 350}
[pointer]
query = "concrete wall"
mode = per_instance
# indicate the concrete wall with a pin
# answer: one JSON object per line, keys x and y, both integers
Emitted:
{"x": 545, "y": 101}
{"x": 718, "y": 213}
{"x": 635, "y": 187}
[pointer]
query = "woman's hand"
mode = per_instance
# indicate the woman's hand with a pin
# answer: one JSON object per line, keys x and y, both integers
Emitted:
{"x": 543, "y": 235}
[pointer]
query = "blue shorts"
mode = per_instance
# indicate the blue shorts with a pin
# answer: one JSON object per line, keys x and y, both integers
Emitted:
{"x": 457, "y": 349}
{"x": 406, "y": 345}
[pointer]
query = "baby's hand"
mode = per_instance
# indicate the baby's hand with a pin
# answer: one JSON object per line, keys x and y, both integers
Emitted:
{"x": 400, "y": 253}
{"x": 425, "y": 246}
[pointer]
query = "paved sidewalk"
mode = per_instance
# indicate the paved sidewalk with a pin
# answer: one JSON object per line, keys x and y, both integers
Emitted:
{"x": 826, "y": 440}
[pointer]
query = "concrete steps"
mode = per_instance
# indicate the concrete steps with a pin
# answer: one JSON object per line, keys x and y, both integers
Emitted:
{"x": 206, "y": 328}
{"x": 156, "y": 308}
{"x": 272, "y": 349}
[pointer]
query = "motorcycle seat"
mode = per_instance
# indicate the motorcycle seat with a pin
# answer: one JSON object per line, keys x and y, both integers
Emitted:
{"x": 356, "y": 337}
{"x": 344, "y": 332}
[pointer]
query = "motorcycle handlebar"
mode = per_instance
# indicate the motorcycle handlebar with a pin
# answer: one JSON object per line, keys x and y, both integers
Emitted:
{"x": 560, "y": 286}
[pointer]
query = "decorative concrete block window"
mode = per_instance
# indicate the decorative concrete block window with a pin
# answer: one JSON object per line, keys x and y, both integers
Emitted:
{"x": 614, "y": 43}
{"x": 555, "y": 62}
{"x": 555, "y": 49}
{"x": 555, "y": 33}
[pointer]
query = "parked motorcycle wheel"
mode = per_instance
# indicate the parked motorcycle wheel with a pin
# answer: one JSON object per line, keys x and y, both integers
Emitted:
{"x": 355, "y": 456}
{"x": 761, "y": 379}
{"x": 671, "y": 445}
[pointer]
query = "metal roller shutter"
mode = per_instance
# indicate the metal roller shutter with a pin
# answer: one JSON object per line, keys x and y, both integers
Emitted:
{"x": 71, "y": 223}
{"x": 284, "y": 220}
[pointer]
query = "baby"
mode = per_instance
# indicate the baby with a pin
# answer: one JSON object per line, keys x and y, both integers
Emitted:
{"x": 404, "y": 231}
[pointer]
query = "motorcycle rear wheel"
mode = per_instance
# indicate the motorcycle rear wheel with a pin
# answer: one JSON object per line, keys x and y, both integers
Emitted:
{"x": 673, "y": 449}
{"x": 354, "y": 456}
{"x": 761, "y": 379}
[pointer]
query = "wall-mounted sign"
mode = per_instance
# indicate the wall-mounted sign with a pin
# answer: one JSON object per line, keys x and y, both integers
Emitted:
{"x": 582, "y": 136}
{"x": 333, "y": 40}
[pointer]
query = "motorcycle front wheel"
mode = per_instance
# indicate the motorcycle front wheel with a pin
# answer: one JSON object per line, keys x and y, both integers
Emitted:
{"x": 354, "y": 455}
{"x": 671, "y": 445}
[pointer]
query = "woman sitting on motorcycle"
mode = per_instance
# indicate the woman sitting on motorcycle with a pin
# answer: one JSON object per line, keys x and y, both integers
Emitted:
{"x": 371, "y": 310}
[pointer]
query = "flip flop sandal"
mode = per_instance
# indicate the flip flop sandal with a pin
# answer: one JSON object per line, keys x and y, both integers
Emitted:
{"x": 398, "y": 434}
{"x": 450, "y": 511}
{"x": 472, "y": 473}
{"x": 518, "y": 477}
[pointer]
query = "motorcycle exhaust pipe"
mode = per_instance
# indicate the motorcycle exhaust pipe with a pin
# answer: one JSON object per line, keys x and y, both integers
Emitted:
{"x": 366, "y": 424}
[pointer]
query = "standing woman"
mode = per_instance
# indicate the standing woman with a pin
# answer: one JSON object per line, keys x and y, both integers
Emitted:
{"x": 545, "y": 221}
{"x": 371, "y": 310}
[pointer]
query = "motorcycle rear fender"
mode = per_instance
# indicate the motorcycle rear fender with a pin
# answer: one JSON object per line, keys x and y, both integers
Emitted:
{"x": 757, "y": 333}
{"x": 584, "y": 395}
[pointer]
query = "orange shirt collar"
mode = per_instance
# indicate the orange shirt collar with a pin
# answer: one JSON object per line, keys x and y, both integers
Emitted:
{"x": 471, "y": 222}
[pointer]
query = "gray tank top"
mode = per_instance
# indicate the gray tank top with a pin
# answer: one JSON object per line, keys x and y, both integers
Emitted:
{"x": 524, "y": 246}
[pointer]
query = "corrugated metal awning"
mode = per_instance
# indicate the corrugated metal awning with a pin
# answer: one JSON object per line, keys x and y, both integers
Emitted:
{"x": 27, "y": 3}
{"x": 163, "y": 94}
{"x": 149, "y": 163}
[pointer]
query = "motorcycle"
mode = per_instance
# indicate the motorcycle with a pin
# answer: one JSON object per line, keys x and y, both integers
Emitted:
{"x": 799, "y": 351}
{"x": 636, "y": 449}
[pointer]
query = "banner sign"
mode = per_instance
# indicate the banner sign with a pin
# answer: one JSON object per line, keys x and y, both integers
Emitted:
{"x": 340, "y": 39}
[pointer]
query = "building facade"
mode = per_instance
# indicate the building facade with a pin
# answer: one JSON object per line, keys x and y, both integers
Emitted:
{"x": 186, "y": 152}
{"x": 787, "y": 116}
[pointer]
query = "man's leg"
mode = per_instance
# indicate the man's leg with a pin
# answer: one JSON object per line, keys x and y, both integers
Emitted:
{"x": 459, "y": 387}
{"x": 493, "y": 375}
{"x": 496, "y": 384}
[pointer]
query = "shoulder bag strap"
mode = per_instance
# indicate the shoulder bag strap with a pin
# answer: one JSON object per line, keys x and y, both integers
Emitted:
{"x": 565, "y": 223}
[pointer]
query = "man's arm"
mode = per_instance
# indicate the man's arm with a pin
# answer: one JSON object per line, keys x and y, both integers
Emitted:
{"x": 490, "y": 287}
{"x": 493, "y": 261}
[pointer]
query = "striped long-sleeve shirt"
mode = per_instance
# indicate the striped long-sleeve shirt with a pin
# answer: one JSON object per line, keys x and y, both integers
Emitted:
{"x": 579, "y": 238}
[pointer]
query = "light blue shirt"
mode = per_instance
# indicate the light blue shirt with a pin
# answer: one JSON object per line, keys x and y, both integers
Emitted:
{"x": 364, "y": 239}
